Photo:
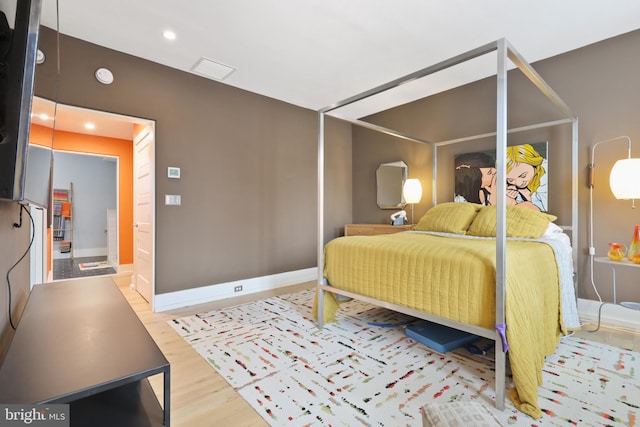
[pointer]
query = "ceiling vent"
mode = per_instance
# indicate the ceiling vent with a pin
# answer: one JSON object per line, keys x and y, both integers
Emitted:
{"x": 211, "y": 69}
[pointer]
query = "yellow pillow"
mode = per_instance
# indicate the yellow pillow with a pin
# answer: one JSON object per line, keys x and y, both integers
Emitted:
{"x": 450, "y": 217}
{"x": 521, "y": 222}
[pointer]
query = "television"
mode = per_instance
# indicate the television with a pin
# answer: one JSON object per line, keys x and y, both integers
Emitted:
{"x": 21, "y": 180}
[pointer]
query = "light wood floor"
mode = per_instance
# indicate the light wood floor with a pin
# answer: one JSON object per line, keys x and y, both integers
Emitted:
{"x": 201, "y": 398}
{"x": 616, "y": 336}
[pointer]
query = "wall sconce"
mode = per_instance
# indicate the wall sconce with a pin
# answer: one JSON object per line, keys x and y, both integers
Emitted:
{"x": 412, "y": 193}
{"x": 624, "y": 179}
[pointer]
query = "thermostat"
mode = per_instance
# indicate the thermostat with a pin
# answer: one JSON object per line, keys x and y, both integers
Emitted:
{"x": 173, "y": 172}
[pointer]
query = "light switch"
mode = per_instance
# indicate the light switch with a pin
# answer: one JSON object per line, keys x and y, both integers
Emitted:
{"x": 172, "y": 199}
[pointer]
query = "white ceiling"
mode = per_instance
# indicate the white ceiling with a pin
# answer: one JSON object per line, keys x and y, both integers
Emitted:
{"x": 75, "y": 119}
{"x": 314, "y": 53}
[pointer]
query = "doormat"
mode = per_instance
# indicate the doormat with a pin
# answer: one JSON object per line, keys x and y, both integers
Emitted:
{"x": 93, "y": 265}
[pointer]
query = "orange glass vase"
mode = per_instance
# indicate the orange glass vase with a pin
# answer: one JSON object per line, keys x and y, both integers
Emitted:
{"x": 616, "y": 251}
{"x": 634, "y": 248}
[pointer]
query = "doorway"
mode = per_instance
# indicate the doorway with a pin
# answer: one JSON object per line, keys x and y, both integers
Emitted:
{"x": 111, "y": 137}
{"x": 89, "y": 185}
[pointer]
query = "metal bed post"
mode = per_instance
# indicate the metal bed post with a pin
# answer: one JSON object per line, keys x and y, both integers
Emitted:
{"x": 434, "y": 176}
{"x": 320, "y": 243}
{"x": 501, "y": 222}
{"x": 574, "y": 198}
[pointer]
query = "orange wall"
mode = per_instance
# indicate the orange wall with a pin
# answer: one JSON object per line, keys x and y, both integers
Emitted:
{"x": 121, "y": 148}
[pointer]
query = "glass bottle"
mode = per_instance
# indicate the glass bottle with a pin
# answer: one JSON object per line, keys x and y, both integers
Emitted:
{"x": 616, "y": 251}
{"x": 634, "y": 247}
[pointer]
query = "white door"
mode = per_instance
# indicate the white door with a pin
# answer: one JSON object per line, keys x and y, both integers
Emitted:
{"x": 112, "y": 238}
{"x": 143, "y": 232}
{"x": 38, "y": 255}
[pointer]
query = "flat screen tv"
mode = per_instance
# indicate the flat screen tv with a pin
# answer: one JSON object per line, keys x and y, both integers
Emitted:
{"x": 19, "y": 28}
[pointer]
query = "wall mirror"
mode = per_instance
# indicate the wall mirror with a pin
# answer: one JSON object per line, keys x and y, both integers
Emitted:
{"x": 389, "y": 180}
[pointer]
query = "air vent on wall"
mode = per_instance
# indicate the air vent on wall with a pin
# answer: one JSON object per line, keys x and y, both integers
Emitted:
{"x": 211, "y": 69}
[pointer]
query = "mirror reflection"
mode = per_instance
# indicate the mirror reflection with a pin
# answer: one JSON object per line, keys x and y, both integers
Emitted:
{"x": 390, "y": 178}
{"x": 92, "y": 188}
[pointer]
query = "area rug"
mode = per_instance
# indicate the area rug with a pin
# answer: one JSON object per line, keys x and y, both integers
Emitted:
{"x": 364, "y": 371}
{"x": 93, "y": 265}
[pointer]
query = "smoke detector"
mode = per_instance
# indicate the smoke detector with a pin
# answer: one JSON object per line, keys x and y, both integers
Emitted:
{"x": 104, "y": 76}
{"x": 40, "y": 57}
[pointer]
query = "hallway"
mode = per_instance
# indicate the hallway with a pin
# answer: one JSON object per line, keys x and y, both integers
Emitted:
{"x": 81, "y": 267}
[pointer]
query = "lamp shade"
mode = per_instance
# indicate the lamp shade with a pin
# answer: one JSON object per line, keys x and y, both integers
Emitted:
{"x": 625, "y": 179}
{"x": 412, "y": 191}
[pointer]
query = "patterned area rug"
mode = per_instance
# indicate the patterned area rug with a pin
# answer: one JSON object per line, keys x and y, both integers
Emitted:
{"x": 353, "y": 373}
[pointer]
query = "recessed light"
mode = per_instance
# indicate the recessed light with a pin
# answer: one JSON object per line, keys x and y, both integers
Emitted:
{"x": 89, "y": 126}
{"x": 169, "y": 35}
{"x": 40, "y": 116}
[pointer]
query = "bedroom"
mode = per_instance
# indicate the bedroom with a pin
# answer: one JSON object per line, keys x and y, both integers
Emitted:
{"x": 249, "y": 205}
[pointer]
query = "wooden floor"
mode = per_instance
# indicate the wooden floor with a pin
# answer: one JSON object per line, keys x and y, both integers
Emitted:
{"x": 200, "y": 397}
{"x": 616, "y": 336}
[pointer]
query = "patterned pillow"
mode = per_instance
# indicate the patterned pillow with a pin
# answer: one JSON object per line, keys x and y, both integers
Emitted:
{"x": 449, "y": 217}
{"x": 521, "y": 222}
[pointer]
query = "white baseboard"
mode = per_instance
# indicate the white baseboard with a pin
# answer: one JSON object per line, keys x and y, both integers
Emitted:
{"x": 204, "y": 294}
{"x": 80, "y": 253}
{"x": 611, "y": 313}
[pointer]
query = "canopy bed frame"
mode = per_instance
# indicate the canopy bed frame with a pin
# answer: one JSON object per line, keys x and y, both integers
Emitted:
{"x": 505, "y": 52}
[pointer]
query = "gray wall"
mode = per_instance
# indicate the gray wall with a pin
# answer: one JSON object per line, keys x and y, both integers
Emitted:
{"x": 248, "y": 165}
{"x": 14, "y": 242}
{"x": 94, "y": 181}
{"x": 370, "y": 149}
{"x": 599, "y": 82}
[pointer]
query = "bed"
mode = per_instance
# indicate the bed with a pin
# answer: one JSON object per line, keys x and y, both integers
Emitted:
{"x": 446, "y": 267}
{"x": 522, "y": 307}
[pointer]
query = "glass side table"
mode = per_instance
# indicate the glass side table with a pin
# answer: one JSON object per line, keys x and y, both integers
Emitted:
{"x": 614, "y": 264}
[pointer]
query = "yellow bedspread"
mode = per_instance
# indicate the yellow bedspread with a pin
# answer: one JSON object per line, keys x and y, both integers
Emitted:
{"x": 454, "y": 277}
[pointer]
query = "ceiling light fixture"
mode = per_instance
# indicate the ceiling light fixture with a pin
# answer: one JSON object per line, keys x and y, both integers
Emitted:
{"x": 169, "y": 35}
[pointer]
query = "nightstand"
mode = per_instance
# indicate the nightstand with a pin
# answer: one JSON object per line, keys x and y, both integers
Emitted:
{"x": 374, "y": 229}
